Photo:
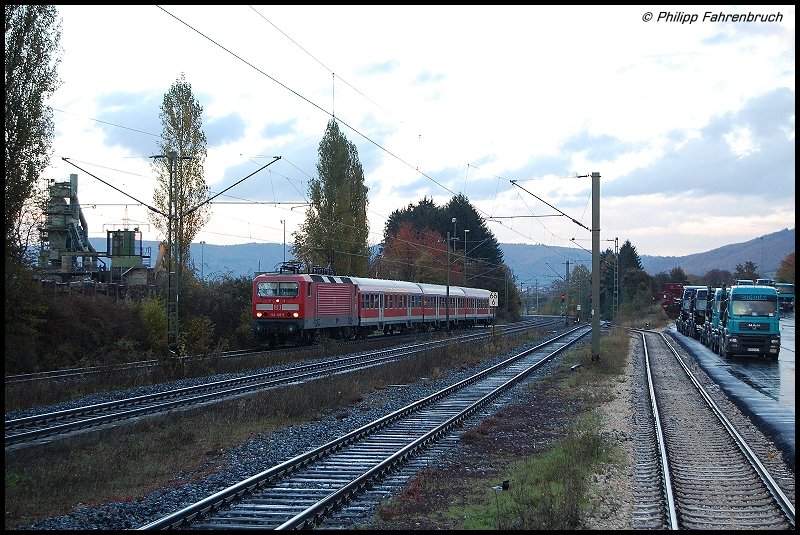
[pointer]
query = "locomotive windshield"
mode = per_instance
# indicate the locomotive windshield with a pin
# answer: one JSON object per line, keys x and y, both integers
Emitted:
{"x": 278, "y": 289}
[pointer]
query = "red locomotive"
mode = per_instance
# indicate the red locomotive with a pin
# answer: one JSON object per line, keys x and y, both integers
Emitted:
{"x": 299, "y": 307}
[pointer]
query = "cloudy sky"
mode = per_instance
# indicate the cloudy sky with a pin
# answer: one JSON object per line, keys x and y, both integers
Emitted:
{"x": 689, "y": 119}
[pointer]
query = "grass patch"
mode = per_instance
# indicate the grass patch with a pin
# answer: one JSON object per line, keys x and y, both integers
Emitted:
{"x": 547, "y": 490}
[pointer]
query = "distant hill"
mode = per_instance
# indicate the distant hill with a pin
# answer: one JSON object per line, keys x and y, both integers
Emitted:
{"x": 528, "y": 262}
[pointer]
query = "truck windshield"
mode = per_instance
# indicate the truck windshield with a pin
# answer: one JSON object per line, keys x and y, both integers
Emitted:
{"x": 754, "y": 305}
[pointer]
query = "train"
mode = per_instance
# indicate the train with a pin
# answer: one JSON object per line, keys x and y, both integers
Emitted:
{"x": 740, "y": 320}
{"x": 293, "y": 307}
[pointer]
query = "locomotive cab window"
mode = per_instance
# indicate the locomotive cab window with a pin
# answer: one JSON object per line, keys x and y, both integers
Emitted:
{"x": 278, "y": 289}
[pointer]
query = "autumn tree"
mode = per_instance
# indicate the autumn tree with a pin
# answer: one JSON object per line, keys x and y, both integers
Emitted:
{"x": 411, "y": 255}
{"x": 32, "y": 54}
{"x": 335, "y": 231}
{"x": 182, "y": 154}
{"x": 476, "y": 256}
{"x": 785, "y": 271}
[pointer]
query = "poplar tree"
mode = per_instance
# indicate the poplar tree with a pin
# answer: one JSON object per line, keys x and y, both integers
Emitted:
{"x": 182, "y": 135}
{"x": 32, "y": 56}
{"x": 335, "y": 231}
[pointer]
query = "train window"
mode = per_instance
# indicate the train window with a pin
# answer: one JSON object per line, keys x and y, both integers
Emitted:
{"x": 278, "y": 289}
{"x": 267, "y": 289}
{"x": 288, "y": 289}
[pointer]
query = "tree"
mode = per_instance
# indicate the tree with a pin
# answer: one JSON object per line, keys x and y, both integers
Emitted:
{"x": 580, "y": 288}
{"x": 335, "y": 231}
{"x": 32, "y": 57}
{"x": 677, "y": 274}
{"x": 746, "y": 271}
{"x": 636, "y": 284}
{"x": 608, "y": 265}
{"x": 183, "y": 137}
{"x": 483, "y": 255}
{"x": 717, "y": 277}
{"x": 32, "y": 54}
{"x": 628, "y": 259}
{"x": 785, "y": 271}
{"x": 424, "y": 215}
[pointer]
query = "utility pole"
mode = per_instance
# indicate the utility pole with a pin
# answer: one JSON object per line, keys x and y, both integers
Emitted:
{"x": 566, "y": 293}
{"x": 202, "y": 260}
{"x": 595, "y": 266}
{"x": 616, "y": 279}
{"x": 465, "y": 255}
{"x": 447, "y": 296}
{"x": 284, "y": 240}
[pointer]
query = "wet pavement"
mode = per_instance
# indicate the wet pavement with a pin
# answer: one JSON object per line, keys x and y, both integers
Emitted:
{"x": 762, "y": 388}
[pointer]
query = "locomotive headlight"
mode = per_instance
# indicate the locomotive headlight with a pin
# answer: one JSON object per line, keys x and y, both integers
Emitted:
{"x": 258, "y": 314}
{"x": 295, "y": 315}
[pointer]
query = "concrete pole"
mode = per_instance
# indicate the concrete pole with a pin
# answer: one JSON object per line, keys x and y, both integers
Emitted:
{"x": 595, "y": 266}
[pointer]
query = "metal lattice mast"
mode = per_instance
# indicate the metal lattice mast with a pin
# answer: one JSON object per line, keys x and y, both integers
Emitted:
{"x": 173, "y": 262}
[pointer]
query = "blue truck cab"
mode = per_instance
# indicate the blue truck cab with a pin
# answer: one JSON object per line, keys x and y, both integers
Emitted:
{"x": 685, "y": 322}
{"x": 785, "y": 296}
{"x": 748, "y": 321}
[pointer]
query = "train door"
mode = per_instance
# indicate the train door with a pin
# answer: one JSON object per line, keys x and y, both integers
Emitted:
{"x": 380, "y": 308}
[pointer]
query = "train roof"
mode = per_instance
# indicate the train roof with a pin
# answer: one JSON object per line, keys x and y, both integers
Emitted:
{"x": 385, "y": 285}
{"x": 474, "y": 292}
{"x": 367, "y": 284}
{"x": 439, "y": 289}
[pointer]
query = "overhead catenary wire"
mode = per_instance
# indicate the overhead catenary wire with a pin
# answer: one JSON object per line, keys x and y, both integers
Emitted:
{"x": 296, "y": 93}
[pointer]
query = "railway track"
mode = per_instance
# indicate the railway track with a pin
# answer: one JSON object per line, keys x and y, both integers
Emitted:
{"x": 85, "y": 372}
{"x": 51, "y": 425}
{"x": 310, "y": 489}
{"x": 695, "y": 468}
